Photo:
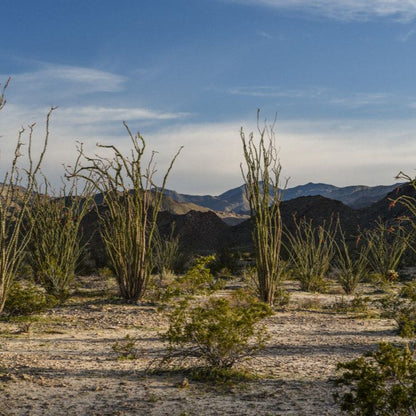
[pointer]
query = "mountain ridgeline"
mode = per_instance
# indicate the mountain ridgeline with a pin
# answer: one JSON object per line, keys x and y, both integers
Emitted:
{"x": 236, "y": 202}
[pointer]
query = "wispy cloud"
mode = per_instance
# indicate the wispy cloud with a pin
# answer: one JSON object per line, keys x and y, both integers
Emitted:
{"x": 346, "y": 10}
{"x": 404, "y": 37}
{"x": 97, "y": 114}
{"x": 361, "y": 100}
{"x": 318, "y": 94}
{"x": 67, "y": 80}
{"x": 269, "y": 91}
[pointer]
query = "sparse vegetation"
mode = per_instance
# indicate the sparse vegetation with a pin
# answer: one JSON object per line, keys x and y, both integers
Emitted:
{"x": 198, "y": 279}
{"x": 402, "y": 308}
{"x": 132, "y": 200}
{"x": 220, "y": 331}
{"x": 26, "y": 299}
{"x": 350, "y": 269}
{"x": 380, "y": 383}
{"x": 15, "y": 192}
{"x": 55, "y": 247}
{"x": 262, "y": 181}
{"x": 386, "y": 246}
{"x": 165, "y": 253}
{"x": 311, "y": 249}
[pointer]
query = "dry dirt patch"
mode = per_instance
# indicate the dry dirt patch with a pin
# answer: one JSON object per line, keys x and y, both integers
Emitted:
{"x": 65, "y": 364}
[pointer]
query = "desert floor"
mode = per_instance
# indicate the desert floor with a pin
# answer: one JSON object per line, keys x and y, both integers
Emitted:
{"x": 64, "y": 363}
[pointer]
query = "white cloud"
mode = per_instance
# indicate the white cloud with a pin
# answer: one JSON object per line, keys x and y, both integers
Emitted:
{"x": 346, "y": 10}
{"x": 67, "y": 80}
{"x": 319, "y": 94}
{"x": 361, "y": 99}
{"x": 341, "y": 152}
{"x": 96, "y": 114}
{"x": 269, "y": 91}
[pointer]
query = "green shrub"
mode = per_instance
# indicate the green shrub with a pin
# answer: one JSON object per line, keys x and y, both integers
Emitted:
{"x": 26, "y": 300}
{"x": 402, "y": 308}
{"x": 380, "y": 383}
{"x": 221, "y": 331}
{"x": 126, "y": 348}
{"x": 197, "y": 280}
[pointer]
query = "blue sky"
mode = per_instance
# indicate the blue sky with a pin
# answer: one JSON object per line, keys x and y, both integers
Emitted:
{"x": 338, "y": 73}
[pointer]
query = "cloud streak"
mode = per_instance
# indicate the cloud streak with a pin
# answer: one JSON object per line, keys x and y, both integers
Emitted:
{"x": 345, "y": 10}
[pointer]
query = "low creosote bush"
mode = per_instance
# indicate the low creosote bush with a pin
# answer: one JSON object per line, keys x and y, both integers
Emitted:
{"x": 126, "y": 348}
{"x": 26, "y": 300}
{"x": 402, "y": 308}
{"x": 197, "y": 280}
{"x": 380, "y": 383}
{"x": 221, "y": 331}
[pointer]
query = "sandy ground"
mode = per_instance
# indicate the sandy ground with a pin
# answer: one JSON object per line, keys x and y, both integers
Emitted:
{"x": 65, "y": 363}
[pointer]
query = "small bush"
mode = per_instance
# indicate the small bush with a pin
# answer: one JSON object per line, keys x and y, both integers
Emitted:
{"x": 221, "y": 331}
{"x": 126, "y": 348}
{"x": 402, "y": 308}
{"x": 359, "y": 304}
{"x": 26, "y": 300}
{"x": 197, "y": 280}
{"x": 380, "y": 383}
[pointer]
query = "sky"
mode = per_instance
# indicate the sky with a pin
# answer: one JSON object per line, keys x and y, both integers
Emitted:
{"x": 339, "y": 75}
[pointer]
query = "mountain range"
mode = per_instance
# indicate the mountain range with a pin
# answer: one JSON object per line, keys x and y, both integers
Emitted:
{"x": 235, "y": 201}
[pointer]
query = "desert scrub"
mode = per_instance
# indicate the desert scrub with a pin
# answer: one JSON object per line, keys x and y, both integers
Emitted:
{"x": 197, "y": 280}
{"x": 359, "y": 305}
{"x": 126, "y": 348}
{"x": 311, "y": 249}
{"x": 220, "y": 331}
{"x": 55, "y": 247}
{"x": 165, "y": 253}
{"x": 350, "y": 268}
{"x": 380, "y": 383}
{"x": 132, "y": 201}
{"x": 263, "y": 192}
{"x": 27, "y": 299}
{"x": 386, "y": 246}
{"x": 402, "y": 308}
{"x": 16, "y": 188}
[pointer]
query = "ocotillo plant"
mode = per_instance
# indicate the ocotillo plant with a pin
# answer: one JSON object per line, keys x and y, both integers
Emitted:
{"x": 55, "y": 248}
{"x": 15, "y": 192}
{"x": 386, "y": 246}
{"x": 132, "y": 202}
{"x": 311, "y": 251}
{"x": 262, "y": 180}
{"x": 351, "y": 264}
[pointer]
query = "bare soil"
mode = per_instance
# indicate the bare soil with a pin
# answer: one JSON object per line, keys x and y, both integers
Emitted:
{"x": 63, "y": 363}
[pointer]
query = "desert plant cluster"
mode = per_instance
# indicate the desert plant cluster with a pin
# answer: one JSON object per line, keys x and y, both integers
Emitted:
{"x": 213, "y": 325}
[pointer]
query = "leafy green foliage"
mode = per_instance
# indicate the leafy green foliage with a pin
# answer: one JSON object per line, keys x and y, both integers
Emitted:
{"x": 197, "y": 280}
{"x": 221, "y": 331}
{"x": 380, "y": 383}
{"x": 26, "y": 300}
{"x": 402, "y": 308}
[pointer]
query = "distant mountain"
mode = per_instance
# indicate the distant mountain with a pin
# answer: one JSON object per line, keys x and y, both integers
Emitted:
{"x": 235, "y": 200}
